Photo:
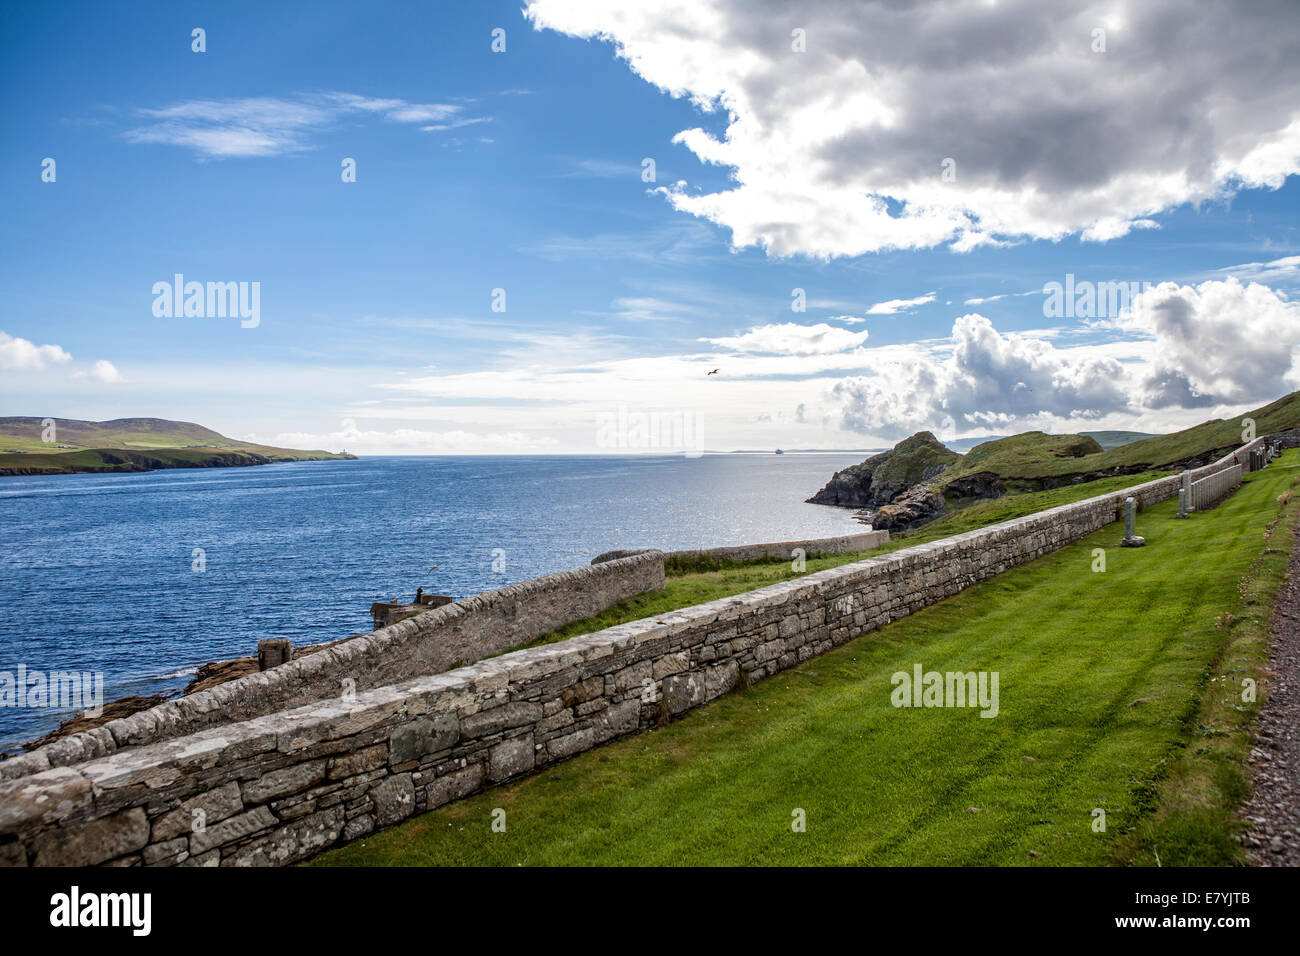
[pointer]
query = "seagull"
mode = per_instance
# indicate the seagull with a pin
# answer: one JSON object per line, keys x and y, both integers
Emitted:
{"x": 714, "y": 372}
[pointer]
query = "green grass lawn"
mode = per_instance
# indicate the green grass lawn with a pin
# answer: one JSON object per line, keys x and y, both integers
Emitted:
{"x": 1104, "y": 685}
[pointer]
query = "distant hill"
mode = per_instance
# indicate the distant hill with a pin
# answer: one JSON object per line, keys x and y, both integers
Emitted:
{"x": 130, "y": 444}
{"x": 1113, "y": 439}
{"x": 1107, "y": 440}
{"x": 963, "y": 445}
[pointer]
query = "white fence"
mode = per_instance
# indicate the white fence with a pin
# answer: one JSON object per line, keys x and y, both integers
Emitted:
{"x": 1212, "y": 489}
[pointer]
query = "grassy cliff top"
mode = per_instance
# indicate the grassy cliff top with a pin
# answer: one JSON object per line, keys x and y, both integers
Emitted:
{"x": 24, "y": 434}
{"x": 905, "y": 462}
{"x": 1026, "y": 452}
{"x": 1037, "y": 455}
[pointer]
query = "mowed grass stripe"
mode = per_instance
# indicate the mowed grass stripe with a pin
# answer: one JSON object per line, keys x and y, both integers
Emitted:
{"x": 1076, "y": 651}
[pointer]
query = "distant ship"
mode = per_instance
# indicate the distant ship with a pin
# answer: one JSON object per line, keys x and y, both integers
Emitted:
{"x": 780, "y": 452}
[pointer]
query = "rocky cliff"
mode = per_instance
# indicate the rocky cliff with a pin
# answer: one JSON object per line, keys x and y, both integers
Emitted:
{"x": 915, "y": 481}
{"x": 882, "y": 478}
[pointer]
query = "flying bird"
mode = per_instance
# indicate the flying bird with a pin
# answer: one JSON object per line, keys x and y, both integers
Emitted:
{"x": 714, "y": 372}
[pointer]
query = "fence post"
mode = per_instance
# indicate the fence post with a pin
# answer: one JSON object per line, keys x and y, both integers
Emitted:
{"x": 1185, "y": 495}
{"x": 272, "y": 652}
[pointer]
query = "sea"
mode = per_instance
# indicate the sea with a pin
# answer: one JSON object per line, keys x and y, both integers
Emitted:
{"x": 142, "y": 577}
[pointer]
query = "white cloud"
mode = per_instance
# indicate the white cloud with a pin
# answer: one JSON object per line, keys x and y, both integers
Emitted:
{"x": 894, "y": 306}
{"x": 839, "y": 150}
{"x": 1004, "y": 295}
{"x": 21, "y": 355}
{"x": 789, "y": 338}
{"x": 988, "y": 377}
{"x": 1219, "y": 341}
{"x": 270, "y": 126}
{"x": 649, "y": 309}
{"x": 1285, "y": 269}
{"x": 103, "y": 371}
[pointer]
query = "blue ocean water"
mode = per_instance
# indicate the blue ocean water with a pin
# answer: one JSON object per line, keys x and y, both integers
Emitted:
{"x": 96, "y": 571}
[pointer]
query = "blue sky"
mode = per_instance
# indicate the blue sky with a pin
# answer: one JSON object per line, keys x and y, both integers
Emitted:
{"x": 522, "y": 170}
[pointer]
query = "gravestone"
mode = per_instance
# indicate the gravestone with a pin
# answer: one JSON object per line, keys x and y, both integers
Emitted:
{"x": 1131, "y": 538}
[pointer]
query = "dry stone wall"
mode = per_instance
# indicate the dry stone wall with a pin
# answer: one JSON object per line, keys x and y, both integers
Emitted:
{"x": 280, "y": 787}
{"x": 780, "y": 550}
{"x": 785, "y": 550}
{"x": 428, "y": 643}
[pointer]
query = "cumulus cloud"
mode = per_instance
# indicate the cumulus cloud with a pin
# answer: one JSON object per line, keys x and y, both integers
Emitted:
{"x": 1180, "y": 347}
{"x": 270, "y": 126}
{"x": 841, "y": 150}
{"x": 790, "y": 338}
{"x": 21, "y": 355}
{"x": 988, "y": 378}
{"x": 1217, "y": 341}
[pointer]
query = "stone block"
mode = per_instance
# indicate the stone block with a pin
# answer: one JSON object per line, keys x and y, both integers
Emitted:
{"x": 394, "y": 799}
{"x": 44, "y": 797}
{"x": 583, "y": 691}
{"x": 419, "y": 738}
{"x": 166, "y": 854}
{"x": 95, "y": 842}
{"x": 671, "y": 664}
{"x": 281, "y": 783}
{"x": 682, "y": 692}
{"x": 231, "y": 829}
{"x": 349, "y": 765}
{"x": 454, "y": 785}
{"x": 510, "y": 758}
{"x": 570, "y": 744}
{"x": 488, "y": 722}
{"x": 358, "y": 827}
{"x": 289, "y": 844}
{"x": 205, "y": 808}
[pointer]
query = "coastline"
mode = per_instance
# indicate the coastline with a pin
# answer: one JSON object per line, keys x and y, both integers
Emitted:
{"x": 124, "y": 461}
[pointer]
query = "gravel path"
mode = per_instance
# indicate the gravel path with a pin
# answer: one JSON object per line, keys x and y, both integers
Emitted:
{"x": 1273, "y": 810}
